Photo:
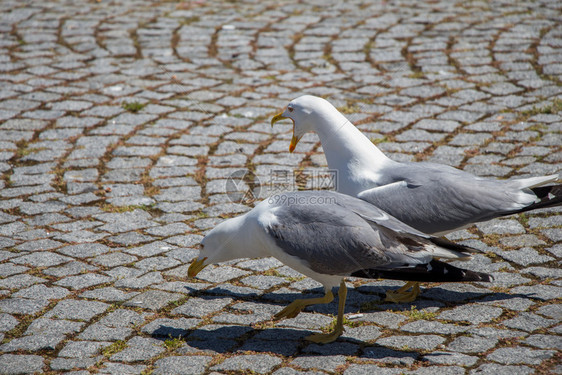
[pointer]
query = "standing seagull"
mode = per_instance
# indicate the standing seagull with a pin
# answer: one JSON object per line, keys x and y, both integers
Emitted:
{"x": 326, "y": 236}
{"x": 432, "y": 198}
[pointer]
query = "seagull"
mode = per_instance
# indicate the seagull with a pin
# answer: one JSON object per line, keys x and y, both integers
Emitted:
{"x": 433, "y": 198}
{"x": 328, "y": 236}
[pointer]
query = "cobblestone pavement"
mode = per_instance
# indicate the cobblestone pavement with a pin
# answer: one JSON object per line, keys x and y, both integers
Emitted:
{"x": 121, "y": 122}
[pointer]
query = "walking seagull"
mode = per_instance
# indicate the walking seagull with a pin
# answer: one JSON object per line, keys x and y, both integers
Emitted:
{"x": 327, "y": 236}
{"x": 430, "y": 197}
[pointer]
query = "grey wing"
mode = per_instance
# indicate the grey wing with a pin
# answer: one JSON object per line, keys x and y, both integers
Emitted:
{"x": 436, "y": 199}
{"x": 397, "y": 237}
{"x": 374, "y": 214}
{"x": 329, "y": 238}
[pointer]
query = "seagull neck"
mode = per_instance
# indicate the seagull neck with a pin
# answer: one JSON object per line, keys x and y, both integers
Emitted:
{"x": 341, "y": 140}
{"x": 236, "y": 240}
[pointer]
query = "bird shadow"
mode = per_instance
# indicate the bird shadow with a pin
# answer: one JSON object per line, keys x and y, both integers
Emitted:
{"x": 363, "y": 298}
{"x": 285, "y": 341}
{"x": 289, "y": 340}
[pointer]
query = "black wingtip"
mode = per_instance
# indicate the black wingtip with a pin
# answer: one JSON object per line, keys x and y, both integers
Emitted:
{"x": 549, "y": 196}
{"x": 434, "y": 271}
{"x": 445, "y": 243}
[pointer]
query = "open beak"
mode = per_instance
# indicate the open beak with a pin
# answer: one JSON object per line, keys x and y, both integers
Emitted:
{"x": 295, "y": 139}
{"x": 196, "y": 267}
{"x": 294, "y": 142}
{"x": 277, "y": 117}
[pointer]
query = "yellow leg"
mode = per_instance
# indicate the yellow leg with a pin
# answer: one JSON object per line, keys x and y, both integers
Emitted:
{"x": 402, "y": 295}
{"x": 297, "y": 305}
{"x": 338, "y": 330}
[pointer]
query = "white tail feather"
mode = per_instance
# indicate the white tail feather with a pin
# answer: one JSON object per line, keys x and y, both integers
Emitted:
{"x": 440, "y": 252}
{"x": 532, "y": 182}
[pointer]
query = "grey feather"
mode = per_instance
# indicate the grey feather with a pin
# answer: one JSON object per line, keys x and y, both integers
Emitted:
{"x": 344, "y": 234}
{"x": 436, "y": 198}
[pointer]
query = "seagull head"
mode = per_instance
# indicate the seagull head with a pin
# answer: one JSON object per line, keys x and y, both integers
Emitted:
{"x": 224, "y": 242}
{"x": 305, "y": 111}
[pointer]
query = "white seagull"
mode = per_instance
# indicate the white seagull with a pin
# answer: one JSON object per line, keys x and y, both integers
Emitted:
{"x": 430, "y": 197}
{"x": 327, "y": 236}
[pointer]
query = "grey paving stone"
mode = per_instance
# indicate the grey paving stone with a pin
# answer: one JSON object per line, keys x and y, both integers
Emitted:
{"x": 40, "y": 291}
{"x": 123, "y": 318}
{"x": 259, "y": 363}
{"x": 543, "y": 292}
{"x": 84, "y": 250}
{"x": 61, "y": 364}
{"x": 552, "y": 311}
{"x": 285, "y": 348}
{"x": 364, "y": 369}
{"x": 467, "y": 344}
{"x": 520, "y": 355}
{"x": 182, "y": 365}
{"x": 501, "y": 227}
{"x": 425, "y": 342}
{"x": 20, "y": 364}
{"x": 70, "y": 268}
{"x": 114, "y": 259}
{"x": 76, "y": 309}
{"x": 99, "y": 332}
{"x": 33, "y": 343}
{"x": 139, "y": 282}
{"x": 526, "y": 256}
{"x": 390, "y": 356}
{"x": 450, "y": 358}
{"x": 153, "y": 299}
{"x": 263, "y": 282}
{"x": 121, "y": 368}
{"x": 139, "y": 349}
{"x": 362, "y": 333}
{"x": 123, "y": 273}
{"x": 544, "y": 341}
{"x": 82, "y": 349}
{"x": 449, "y": 370}
{"x": 493, "y": 368}
{"x": 168, "y": 230}
{"x": 512, "y": 303}
{"x": 522, "y": 240}
{"x": 170, "y": 328}
{"x": 151, "y": 249}
{"x": 83, "y": 281}
{"x": 39, "y": 245}
{"x": 22, "y": 306}
{"x": 472, "y": 313}
{"x": 424, "y": 326}
{"x": 528, "y": 322}
{"x": 53, "y": 327}
{"x": 553, "y": 234}
{"x": 157, "y": 263}
{"x": 220, "y": 275}
{"x": 199, "y": 307}
{"x": 383, "y": 318}
{"x": 7, "y": 322}
{"x": 325, "y": 362}
{"x": 130, "y": 238}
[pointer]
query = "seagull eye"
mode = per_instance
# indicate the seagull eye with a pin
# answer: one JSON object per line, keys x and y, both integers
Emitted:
{"x": 290, "y": 109}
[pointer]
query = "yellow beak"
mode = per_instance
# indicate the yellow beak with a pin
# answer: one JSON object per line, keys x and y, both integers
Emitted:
{"x": 294, "y": 142}
{"x": 295, "y": 139}
{"x": 277, "y": 117}
{"x": 196, "y": 267}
